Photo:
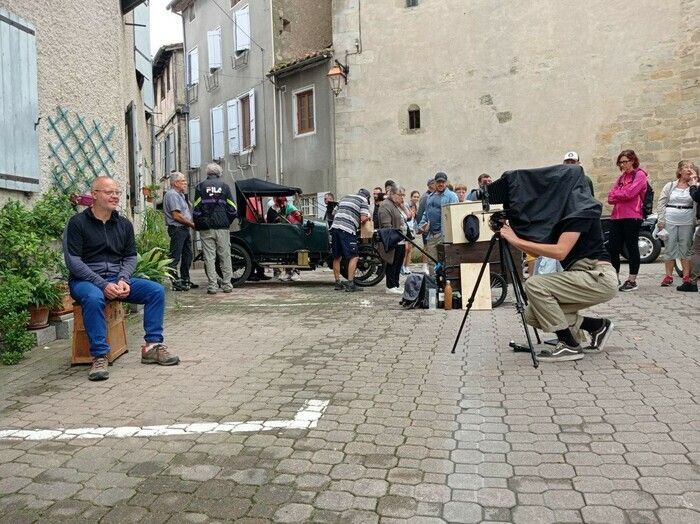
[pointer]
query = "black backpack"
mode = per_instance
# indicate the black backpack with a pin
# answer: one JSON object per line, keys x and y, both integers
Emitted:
{"x": 648, "y": 202}
{"x": 648, "y": 207}
{"x": 415, "y": 294}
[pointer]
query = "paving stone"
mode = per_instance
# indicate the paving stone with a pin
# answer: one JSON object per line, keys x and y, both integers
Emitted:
{"x": 294, "y": 513}
{"x": 462, "y": 512}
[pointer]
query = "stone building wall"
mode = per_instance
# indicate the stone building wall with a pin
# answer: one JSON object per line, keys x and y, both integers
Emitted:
{"x": 300, "y": 27}
{"x": 85, "y": 58}
{"x": 503, "y": 85}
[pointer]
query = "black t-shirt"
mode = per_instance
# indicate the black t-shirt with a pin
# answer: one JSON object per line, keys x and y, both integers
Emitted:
{"x": 589, "y": 244}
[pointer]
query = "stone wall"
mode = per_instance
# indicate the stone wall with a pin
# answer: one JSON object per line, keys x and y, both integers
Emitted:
{"x": 86, "y": 65}
{"x": 502, "y": 85}
{"x": 300, "y": 27}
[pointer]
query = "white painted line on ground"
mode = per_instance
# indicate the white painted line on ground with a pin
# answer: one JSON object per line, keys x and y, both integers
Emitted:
{"x": 307, "y": 417}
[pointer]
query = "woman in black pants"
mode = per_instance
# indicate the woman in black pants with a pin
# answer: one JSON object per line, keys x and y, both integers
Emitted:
{"x": 391, "y": 217}
{"x": 627, "y": 198}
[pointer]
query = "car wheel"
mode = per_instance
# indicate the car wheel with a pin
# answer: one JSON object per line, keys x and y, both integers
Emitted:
{"x": 649, "y": 247}
{"x": 241, "y": 265}
{"x": 499, "y": 290}
{"x": 370, "y": 268}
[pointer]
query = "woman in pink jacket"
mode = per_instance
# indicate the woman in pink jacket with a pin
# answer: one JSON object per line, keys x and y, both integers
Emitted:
{"x": 627, "y": 198}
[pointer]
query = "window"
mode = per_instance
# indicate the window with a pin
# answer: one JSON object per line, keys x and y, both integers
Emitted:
{"x": 411, "y": 3}
{"x": 245, "y": 117}
{"x": 217, "y": 132}
{"x": 19, "y": 145}
{"x": 167, "y": 76}
{"x": 191, "y": 12}
{"x": 172, "y": 160}
{"x": 193, "y": 67}
{"x": 195, "y": 149}
{"x": 304, "y": 112}
{"x": 241, "y": 123}
{"x": 414, "y": 117}
{"x": 214, "y": 48}
{"x": 241, "y": 30}
{"x": 161, "y": 157}
{"x": 308, "y": 205}
{"x": 162, "y": 86}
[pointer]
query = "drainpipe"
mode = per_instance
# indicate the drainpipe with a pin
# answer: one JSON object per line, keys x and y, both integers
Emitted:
{"x": 280, "y": 94}
{"x": 276, "y": 132}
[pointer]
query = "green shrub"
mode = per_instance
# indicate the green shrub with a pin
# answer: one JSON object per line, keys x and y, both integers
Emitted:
{"x": 14, "y": 339}
{"x": 153, "y": 232}
{"x": 154, "y": 265}
{"x": 50, "y": 214}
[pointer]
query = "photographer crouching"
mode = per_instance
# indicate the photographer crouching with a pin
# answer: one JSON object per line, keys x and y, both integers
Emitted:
{"x": 556, "y": 300}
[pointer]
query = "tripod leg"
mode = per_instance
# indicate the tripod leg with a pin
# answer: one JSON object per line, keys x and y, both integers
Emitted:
{"x": 520, "y": 298}
{"x": 494, "y": 239}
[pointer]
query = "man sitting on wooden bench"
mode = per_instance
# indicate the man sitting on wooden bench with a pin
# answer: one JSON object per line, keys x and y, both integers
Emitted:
{"x": 100, "y": 252}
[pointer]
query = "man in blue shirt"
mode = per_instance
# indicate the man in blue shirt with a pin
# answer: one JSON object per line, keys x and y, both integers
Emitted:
{"x": 431, "y": 221}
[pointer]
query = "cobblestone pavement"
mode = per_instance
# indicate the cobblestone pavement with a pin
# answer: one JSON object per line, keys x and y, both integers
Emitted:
{"x": 411, "y": 433}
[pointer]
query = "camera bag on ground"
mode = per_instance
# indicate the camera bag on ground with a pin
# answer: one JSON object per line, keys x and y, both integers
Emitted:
{"x": 415, "y": 291}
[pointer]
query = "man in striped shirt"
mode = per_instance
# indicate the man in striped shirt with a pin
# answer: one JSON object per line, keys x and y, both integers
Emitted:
{"x": 352, "y": 211}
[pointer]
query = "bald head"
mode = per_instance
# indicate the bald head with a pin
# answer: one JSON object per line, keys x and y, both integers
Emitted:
{"x": 103, "y": 183}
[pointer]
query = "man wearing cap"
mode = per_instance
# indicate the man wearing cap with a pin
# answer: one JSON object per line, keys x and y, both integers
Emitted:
{"x": 419, "y": 216}
{"x": 352, "y": 211}
{"x": 431, "y": 221}
{"x": 572, "y": 158}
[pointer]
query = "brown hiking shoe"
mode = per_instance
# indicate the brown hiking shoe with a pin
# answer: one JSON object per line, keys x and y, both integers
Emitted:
{"x": 98, "y": 370}
{"x": 158, "y": 354}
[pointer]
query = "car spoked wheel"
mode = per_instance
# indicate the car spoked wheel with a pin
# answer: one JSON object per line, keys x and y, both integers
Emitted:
{"x": 370, "y": 268}
{"x": 241, "y": 265}
{"x": 499, "y": 289}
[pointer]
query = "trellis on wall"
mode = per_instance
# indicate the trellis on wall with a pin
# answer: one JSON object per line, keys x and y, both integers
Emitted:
{"x": 81, "y": 150}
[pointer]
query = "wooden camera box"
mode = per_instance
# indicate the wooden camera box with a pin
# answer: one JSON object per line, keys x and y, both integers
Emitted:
{"x": 453, "y": 215}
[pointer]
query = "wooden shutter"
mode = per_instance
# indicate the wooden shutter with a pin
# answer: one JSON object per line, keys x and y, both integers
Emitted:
{"x": 214, "y": 48}
{"x": 193, "y": 66}
{"x": 242, "y": 29}
{"x": 217, "y": 132}
{"x": 161, "y": 157}
{"x": 234, "y": 135}
{"x": 251, "y": 97}
{"x": 195, "y": 150}
{"x": 19, "y": 105}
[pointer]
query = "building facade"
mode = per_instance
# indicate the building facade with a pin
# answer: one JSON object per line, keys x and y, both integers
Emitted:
{"x": 170, "y": 118}
{"x": 484, "y": 87}
{"x": 234, "y": 100}
{"x": 77, "y": 98}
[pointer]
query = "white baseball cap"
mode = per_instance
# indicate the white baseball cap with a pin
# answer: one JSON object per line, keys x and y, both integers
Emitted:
{"x": 571, "y": 155}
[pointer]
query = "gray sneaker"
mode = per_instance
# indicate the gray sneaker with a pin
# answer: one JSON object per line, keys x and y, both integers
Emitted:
{"x": 211, "y": 291}
{"x": 561, "y": 352}
{"x": 158, "y": 354}
{"x": 228, "y": 288}
{"x": 339, "y": 285}
{"x": 98, "y": 370}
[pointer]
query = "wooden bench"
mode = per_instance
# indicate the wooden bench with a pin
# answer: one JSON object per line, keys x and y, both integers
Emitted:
{"x": 116, "y": 334}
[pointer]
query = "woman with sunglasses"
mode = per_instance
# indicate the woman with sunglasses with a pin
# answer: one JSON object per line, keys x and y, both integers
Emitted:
{"x": 627, "y": 198}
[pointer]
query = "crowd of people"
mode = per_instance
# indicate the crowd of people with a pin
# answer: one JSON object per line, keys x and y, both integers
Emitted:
{"x": 100, "y": 249}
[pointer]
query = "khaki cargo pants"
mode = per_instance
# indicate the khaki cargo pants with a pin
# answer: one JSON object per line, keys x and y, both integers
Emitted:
{"x": 434, "y": 240}
{"x": 217, "y": 243}
{"x": 555, "y": 299}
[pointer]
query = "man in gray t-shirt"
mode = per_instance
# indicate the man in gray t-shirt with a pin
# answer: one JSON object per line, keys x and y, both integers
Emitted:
{"x": 178, "y": 217}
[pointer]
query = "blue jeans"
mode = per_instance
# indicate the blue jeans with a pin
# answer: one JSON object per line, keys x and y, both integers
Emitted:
{"x": 93, "y": 301}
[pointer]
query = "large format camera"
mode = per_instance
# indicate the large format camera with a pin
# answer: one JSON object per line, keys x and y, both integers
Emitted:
{"x": 536, "y": 201}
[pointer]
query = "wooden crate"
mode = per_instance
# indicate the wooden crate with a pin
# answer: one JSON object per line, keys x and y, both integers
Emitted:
{"x": 453, "y": 216}
{"x": 116, "y": 334}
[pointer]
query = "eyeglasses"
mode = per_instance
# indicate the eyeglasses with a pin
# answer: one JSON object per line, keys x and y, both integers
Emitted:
{"x": 108, "y": 193}
{"x": 623, "y": 162}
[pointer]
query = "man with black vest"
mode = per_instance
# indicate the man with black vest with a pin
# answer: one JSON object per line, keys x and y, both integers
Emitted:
{"x": 100, "y": 252}
{"x": 214, "y": 211}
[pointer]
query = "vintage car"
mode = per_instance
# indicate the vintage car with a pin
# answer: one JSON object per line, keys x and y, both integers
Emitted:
{"x": 304, "y": 246}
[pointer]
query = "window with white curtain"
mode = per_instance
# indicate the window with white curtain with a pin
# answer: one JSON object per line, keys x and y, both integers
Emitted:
{"x": 217, "y": 132}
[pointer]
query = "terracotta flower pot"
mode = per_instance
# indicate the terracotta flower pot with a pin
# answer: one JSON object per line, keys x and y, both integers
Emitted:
{"x": 39, "y": 317}
{"x": 65, "y": 307}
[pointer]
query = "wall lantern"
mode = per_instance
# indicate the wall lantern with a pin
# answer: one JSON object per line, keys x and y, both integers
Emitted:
{"x": 338, "y": 77}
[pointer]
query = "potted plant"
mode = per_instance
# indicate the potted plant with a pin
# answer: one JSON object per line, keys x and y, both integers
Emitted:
{"x": 154, "y": 265}
{"x": 44, "y": 295}
{"x": 150, "y": 191}
{"x": 66, "y": 304}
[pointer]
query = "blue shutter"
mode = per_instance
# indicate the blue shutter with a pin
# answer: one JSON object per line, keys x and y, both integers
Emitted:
{"x": 19, "y": 104}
